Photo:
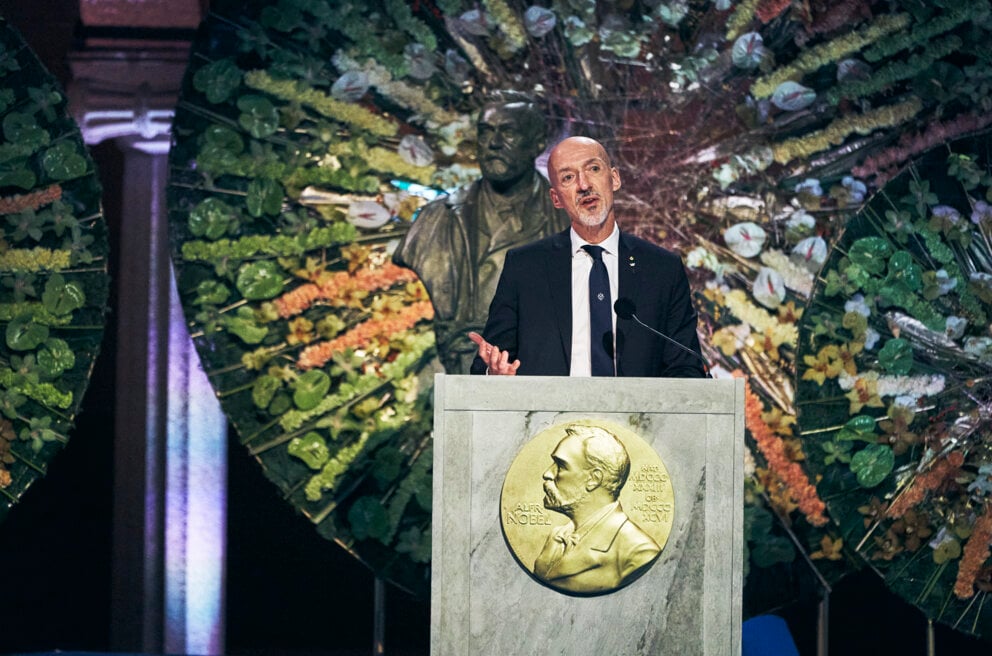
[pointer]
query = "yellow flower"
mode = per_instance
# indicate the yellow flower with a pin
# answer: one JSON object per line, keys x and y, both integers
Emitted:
{"x": 830, "y": 549}
{"x": 864, "y": 393}
{"x": 845, "y": 357}
{"x": 726, "y": 340}
{"x": 789, "y": 313}
{"x": 779, "y": 421}
{"x": 823, "y": 366}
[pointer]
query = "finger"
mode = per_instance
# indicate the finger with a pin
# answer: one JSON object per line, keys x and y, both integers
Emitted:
{"x": 504, "y": 362}
{"x": 515, "y": 366}
{"x": 478, "y": 339}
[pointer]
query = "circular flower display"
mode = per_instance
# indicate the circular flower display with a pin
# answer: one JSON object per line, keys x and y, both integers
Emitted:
{"x": 902, "y": 422}
{"x": 53, "y": 268}
{"x": 308, "y": 119}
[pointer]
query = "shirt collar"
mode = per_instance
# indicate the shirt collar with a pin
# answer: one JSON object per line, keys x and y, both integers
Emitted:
{"x": 611, "y": 244}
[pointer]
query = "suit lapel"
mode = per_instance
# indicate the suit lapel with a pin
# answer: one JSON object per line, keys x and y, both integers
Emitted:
{"x": 559, "y": 272}
{"x": 629, "y": 287}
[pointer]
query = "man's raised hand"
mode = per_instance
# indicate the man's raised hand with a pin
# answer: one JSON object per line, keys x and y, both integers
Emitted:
{"x": 497, "y": 361}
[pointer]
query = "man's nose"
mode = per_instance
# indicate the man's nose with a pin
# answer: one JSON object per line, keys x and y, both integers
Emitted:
{"x": 548, "y": 475}
{"x": 496, "y": 140}
{"x": 583, "y": 181}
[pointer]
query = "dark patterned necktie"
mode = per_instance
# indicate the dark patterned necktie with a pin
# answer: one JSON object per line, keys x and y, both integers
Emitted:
{"x": 600, "y": 314}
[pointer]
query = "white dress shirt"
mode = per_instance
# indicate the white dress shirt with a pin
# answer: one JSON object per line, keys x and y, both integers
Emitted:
{"x": 581, "y": 362}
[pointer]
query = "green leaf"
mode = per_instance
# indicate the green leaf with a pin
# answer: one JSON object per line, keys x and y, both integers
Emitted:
{"x": 259, "y": 280}
{"x": 263, "y": 389}
{"x": 872, "y": 464}
{"x": 311, "y": 449}
{"x": 56, "y": 358}
{"x": 62, "y": 297}
{"x": 870, "y": 253}
{"x": 258, "y": 116}
{"x": 244, "y": 325}
{"x": 387, "y": 466}
{"x": 771, "y": 550}
{"x": 264, "y": 197}
{"x": 23, "y": 334}
{"x": 310, "y": 388}
{"x": 63, "y": 161}
{"x": 23, "y": 129}
{"x": 896, "y": 357}
{"x": 211, "y": 292}
{"x": 17, "y": 174}
{"x": 904, "y": 272}
{"x": 861, "y": 427}
{"x": 368, "y": 519}
{"x": 218, "y": 80}
{"x": 212, "y": 219}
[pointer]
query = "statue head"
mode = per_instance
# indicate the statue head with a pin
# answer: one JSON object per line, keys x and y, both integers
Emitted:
{"x": 511, "y": 133}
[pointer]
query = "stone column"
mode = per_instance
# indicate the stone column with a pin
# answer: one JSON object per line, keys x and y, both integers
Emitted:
{"x": 170, "y": 472}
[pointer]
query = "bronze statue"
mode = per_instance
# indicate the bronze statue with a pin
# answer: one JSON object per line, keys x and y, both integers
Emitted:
{"x": 601, "y": 548}
{"x": 458, "y": 243}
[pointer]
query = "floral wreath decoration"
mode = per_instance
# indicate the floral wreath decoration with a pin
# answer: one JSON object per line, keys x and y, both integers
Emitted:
{"x": 309, "y": 134}
{"x": 53, "y": 268}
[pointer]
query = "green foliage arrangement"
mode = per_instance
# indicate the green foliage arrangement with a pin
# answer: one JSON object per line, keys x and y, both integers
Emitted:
{"x": 53, "y": 269}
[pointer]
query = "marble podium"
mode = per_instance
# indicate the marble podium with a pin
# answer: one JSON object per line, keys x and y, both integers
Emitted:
{"x": 483, "y": 601}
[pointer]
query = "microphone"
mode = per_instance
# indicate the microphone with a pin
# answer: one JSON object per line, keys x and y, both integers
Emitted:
{"x": 625, "y": 309}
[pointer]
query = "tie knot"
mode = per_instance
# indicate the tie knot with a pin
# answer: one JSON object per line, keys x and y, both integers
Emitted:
{"x": 596, "y": 252}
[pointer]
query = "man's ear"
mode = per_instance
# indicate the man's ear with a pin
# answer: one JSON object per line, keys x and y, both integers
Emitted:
{"x": 615, "y": 174}
{"x": 595, "y": 480}
{"x": 556, "y": 199}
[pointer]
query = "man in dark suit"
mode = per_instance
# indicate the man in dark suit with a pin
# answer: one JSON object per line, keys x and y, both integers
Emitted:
{"x": 543, "y": 318}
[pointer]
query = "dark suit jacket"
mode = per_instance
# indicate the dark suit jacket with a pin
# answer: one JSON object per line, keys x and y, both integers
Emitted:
{"x": 531, "y": 312}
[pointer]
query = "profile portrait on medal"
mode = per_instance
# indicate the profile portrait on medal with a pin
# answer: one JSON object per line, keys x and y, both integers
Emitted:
{"x": 601, "y": 548}
{"x": 587, "y": 506}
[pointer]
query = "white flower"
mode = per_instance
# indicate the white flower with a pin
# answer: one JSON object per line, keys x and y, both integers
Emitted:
{"x": 855, "y": 188}
{"x": 801, "y": 220}
{"x": 809, "y": 186}
{"x": 954, "y": 327}
{"x": 539, "y": 21}
{"x": 795, "y": 276}
{"x": 853, "y": 69}
{"x": 810, "y": 253}
{"x": 414, "y": 150}
{"x": 945, "y": 283}
{"x": 421, "y": 62}
{"x": 980, "y": 347}
{"x": 981, "y": 213}
{"x": 769, "y": 288}
{"x": 871, "y": 338}
{"x": 857, "y": 304}
{"x": 792, "y": 96}
{"x": 745, "y": 239}
{"x": 908, "y": 389}
{"x": 748, "y": 51}
{"x": 947, "y": 212}
{"x": 456, "y": 66}
{"x": 475, "y": 22}
{"x": 367, "y": 214}
{"x": 351, "y": 86}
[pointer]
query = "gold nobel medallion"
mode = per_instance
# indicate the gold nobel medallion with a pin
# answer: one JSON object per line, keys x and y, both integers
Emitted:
{"x": 587, "y": 506}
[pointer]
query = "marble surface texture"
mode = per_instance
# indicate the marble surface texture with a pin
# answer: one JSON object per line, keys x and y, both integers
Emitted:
{"x": 688, "y": 603}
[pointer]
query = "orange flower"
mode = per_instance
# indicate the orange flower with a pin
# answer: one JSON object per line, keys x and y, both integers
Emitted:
{"x": 976, "y": 552}
{"x": 342, "y": 285}
{"x": 31, "y": 201}
{"x": 776, "y": 455}
{"x": 365, "y": 334}
{"x": 923, "y": 482}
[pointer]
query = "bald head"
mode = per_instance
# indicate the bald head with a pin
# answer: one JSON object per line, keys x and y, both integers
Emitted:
{"x": 583, "y": 180}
